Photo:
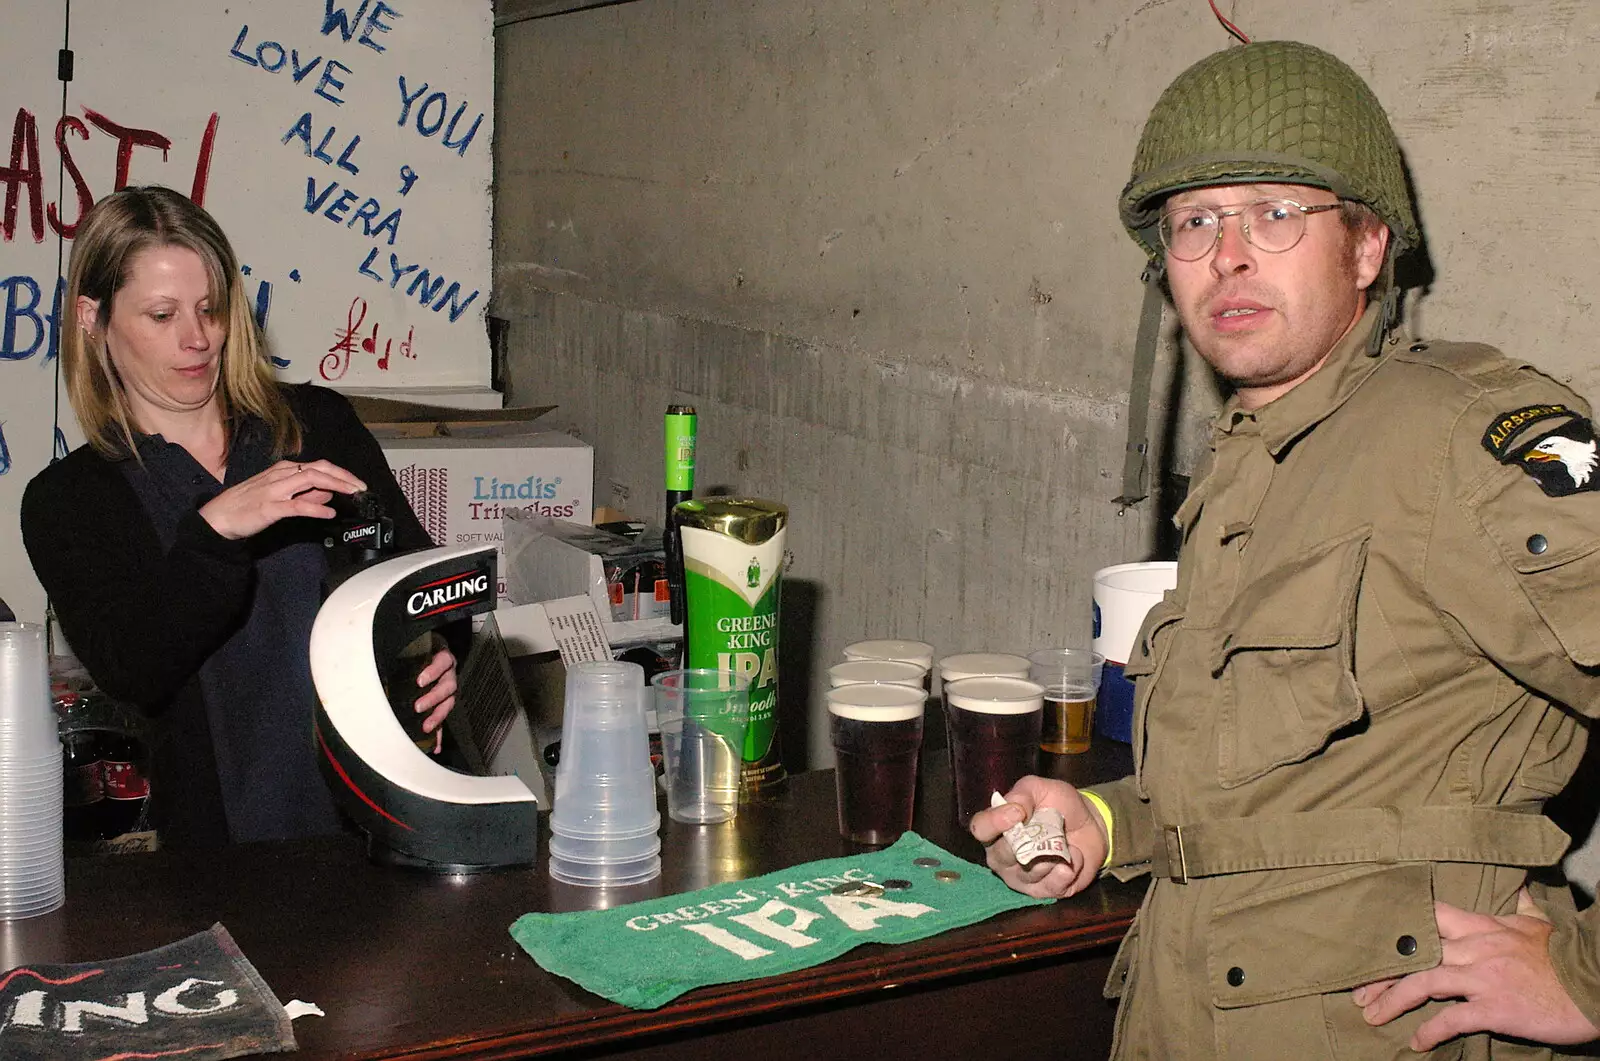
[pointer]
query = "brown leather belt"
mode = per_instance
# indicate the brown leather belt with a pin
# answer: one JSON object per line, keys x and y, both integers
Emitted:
{"x": 1512, "y": 835}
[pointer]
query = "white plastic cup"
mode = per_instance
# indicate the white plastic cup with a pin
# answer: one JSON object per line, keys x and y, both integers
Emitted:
{"x": 1123, "y": 594}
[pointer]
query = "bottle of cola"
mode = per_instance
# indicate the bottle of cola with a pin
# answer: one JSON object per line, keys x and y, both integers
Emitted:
{"x": 105, "y": 768}
{"x": 84, "y": 785}
{"x": 125, "y": 769}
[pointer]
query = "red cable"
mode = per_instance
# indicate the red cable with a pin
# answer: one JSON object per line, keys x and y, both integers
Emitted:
{"x": 1229, "y": 26}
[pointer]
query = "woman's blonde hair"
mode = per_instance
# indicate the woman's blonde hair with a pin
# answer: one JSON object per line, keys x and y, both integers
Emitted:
{"x": 119, "y": 228}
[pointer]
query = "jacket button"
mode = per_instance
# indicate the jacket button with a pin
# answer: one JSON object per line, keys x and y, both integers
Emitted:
{"x": 1406, "y": 945}
{"x": 1417, "y": 348}
{"x": 1537, "y": 544}
{"x": 1235, "y": 976}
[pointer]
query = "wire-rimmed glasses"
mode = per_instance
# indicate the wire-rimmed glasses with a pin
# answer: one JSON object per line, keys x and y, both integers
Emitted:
{"x": 1273, "y": 225}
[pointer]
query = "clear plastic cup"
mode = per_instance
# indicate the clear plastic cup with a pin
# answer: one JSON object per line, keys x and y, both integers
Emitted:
{"x": 605, "y": 785}
{"x": 571, "y": 849}
{"x": 876, "y": 731}
{"x": 32, "y": 871}
{"x": 703, "y": 715}
{"x": 27, "y": 721}
{"x": 1071, "y": 681}
{"x": 605, "y": 874}
{"x": 878, "y": 672}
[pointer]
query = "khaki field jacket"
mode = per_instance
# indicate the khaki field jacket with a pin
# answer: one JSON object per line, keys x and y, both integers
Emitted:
{"x": 1368, "y": 680}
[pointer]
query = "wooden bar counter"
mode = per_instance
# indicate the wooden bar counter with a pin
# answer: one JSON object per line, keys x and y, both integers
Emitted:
{"x": 408, "y": 965}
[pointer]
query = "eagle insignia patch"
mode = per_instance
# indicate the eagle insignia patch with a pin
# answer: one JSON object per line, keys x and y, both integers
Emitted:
{"x": 1563, "y": 461}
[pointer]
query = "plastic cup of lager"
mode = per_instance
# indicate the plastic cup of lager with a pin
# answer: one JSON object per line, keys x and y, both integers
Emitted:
{"x": 1071, "y": 681}
{"x": 994, "y": 737}
{"x": 876, "y": 732}
{"x": 703, "y": 715}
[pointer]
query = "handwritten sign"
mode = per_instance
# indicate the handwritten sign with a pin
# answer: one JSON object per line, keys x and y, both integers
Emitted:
{"x": 343, "y": 145}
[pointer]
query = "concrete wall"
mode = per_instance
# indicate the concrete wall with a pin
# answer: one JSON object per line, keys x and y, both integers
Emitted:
{"x": 875, "y": 244}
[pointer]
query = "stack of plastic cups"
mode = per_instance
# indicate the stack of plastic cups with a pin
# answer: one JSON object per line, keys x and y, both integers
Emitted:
{"x": 32, "y": 872}
{"x": 603, "y": 828}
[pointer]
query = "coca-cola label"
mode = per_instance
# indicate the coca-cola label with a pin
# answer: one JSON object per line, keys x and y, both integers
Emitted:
{"x": 124, "y": 781}
{"x": 84, "y": 785}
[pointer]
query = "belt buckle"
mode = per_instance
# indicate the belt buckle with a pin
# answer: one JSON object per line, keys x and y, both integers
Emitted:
{"x": 1178, "y": 873}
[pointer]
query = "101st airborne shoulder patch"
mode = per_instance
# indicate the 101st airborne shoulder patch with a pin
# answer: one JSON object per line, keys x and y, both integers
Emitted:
{"x": 1563, "y": 460}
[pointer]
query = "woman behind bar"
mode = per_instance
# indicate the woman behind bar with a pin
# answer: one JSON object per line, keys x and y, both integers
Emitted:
{"x": 181, "y": 546}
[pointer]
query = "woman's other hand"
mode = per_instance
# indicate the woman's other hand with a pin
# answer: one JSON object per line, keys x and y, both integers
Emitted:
{"x": 439, "y": 678}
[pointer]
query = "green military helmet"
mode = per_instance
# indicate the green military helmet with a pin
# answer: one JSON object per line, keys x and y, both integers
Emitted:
{"x": 1272, "y": 111}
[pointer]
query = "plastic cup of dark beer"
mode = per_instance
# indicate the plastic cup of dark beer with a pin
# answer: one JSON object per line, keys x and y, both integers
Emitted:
{"x": 1071, "y": 681}
{"x": 994, "y": 737}
{"x": 918, "y": 652}
{"x": 876, "y": 732}
{"x": 982, "y": 665}
{"x": 878, "y": 672}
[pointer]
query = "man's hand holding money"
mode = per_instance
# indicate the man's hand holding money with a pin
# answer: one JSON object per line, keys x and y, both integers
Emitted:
{"x": 1045, "y": 875}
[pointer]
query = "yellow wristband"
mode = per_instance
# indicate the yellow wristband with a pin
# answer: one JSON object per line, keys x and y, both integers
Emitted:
{"x": 1105, "y": 816}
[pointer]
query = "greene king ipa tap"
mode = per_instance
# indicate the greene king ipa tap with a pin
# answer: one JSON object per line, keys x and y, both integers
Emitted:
{"x": 732, "y": 563}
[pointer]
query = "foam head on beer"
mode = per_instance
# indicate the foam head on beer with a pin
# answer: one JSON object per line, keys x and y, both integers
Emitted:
{"x": 877, "y": 671}
{"x": 982, "y": 665}
{"x": 918, "y": 652}
{"x": 995, "y": 695}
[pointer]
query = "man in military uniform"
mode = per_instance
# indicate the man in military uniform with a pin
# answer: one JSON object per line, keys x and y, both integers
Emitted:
{"x": 1386, "y": 626}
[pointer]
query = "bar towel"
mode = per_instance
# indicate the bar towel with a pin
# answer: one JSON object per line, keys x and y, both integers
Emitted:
{"x": 198, "y": 999}
{"x": 646, "y": 954}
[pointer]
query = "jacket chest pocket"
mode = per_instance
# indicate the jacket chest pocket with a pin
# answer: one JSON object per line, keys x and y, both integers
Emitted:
{"x": 1285, "y": 658}
{"x": 1145, "y": 661}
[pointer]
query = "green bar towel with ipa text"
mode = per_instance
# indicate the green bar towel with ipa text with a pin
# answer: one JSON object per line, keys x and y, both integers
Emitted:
{"x": 646, "y": 954}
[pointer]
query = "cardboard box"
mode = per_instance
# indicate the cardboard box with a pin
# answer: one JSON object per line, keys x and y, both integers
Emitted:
{"x": 462, "y": 485}
{"x": 394, "y": 418}
{"x": 439, "y": 397}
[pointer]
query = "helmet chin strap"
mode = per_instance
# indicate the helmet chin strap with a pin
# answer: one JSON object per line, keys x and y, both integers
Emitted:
{"x": 1135, "y": 456}
{"x": 1390, "y": 313}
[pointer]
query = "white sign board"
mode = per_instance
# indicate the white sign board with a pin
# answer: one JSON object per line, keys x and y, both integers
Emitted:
{"x": 343, "y": 145}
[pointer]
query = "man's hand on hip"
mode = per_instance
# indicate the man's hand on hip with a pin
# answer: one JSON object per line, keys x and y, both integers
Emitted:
{"x": 1500, "y": 970}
